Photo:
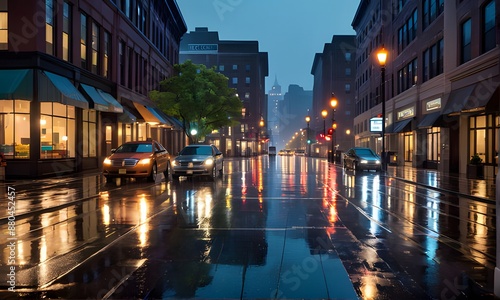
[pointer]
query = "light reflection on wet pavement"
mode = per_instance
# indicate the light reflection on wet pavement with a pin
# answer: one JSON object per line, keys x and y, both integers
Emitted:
{"x": 284, "y": 227}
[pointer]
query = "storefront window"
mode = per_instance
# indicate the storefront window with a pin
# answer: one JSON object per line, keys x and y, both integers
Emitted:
{"x": 15, "y": 132}
{"x": 141, "y": 132}
{"x": 483, "y": 137}
{"x": 89, "y": 133}
{"x": 408, "y": 144}
{"x": 433, "y": 144}
{"x": 57, "y": 131}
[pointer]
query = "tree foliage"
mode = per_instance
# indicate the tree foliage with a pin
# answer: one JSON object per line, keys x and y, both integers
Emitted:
{"x": 200, "y": 98}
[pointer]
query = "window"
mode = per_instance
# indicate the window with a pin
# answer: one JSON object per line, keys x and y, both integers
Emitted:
{"x": 107, "y": 55}
{"x": 89, "y": 133}
{"x": 347, "y": 56}
{"x": 235, "y": 67}
{"x": 57, "y": 130}
{"x": 122, "y": 62}
{"x": 83, "y": 40}
{"x": 247, "y": 80}
{"x": 465, "y": 53}
{"x": 95, "y": 48}
{"x": 235, "y": 80}
{"x": 247, "y": 68}
{"x": 433, "y": 144}
{"x": 49, "y": 26}
{"x": 347, "y": 87}
{"x": 247, "y": 95}
{"x": 221, "y": 68}
{"x": 489, "y": 38}
{"x": 431, "y": 10}
{"x": 433, "y": 63}
{"x": 408, "y": 32}
{"x": 15, "y": 125}
{"x": 4, "y": 29}
{"x": 347, "y": 71}
{"x": 483, "y": 133}
{"x": 66, "y": 35}
{"x": 407, "y": 76}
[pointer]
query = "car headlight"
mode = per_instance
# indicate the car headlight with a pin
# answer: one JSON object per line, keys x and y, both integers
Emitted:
{"x": 209, "y": 162}
{"x": 145, "y": 161}
{"x": 364, "y": 161}
{"x": 377, "y": 162}
{"x": 174, "y": 163}
{"x": 107, "y": 161}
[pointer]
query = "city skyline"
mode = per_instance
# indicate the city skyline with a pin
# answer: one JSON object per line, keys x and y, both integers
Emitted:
{"x": 291, "y": 44}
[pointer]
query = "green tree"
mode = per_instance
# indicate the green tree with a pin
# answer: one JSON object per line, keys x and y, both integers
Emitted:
{"x": 200, "y": 98}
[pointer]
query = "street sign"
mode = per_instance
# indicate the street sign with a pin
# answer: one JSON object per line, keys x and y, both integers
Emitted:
{"x": 376, "y": 125}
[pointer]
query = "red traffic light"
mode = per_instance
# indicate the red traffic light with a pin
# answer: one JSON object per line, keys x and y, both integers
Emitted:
{"x": 330, "y": 131}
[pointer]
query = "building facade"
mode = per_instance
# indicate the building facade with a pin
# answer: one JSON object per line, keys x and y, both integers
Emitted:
{"x": 441, "y": 81}
{"x": 334, "y": 72}
{"x": 246, "y": 68}
{"x": 75, "y": 78}
{"x": 274, "y": 98}
{"x": 294, "y": 109}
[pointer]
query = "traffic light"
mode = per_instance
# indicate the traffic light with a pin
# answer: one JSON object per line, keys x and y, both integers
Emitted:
{"x": 308, "y": 141}
{"x": 330, "y": 131}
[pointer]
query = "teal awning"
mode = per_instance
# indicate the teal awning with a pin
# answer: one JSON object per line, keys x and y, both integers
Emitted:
{"x": 16, "y": 84}
{"x": 60, "y": 89}
{"x": 401, "y": 126}
{"x": 114, "y": 105}
{"x": 99, "y": 102}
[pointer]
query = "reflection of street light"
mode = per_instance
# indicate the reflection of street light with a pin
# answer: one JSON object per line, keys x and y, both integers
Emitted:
{"x": 261, "y": 125}
{"x": 333, "y": 104}
{"x": 382, "y": 58}
{"x": 65, "y": 139}
{"x": 308, "y": 119}
{"x": 324, "y": 113}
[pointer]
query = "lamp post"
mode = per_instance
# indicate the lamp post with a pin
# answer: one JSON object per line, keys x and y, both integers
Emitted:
{"x": 324, "y": 113}
{"x": 382, "y": 58}
{"x": 308, "y": 119}
{"x": 333, "y": 104}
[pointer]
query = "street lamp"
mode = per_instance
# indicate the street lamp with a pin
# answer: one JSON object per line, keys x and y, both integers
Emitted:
{"x": 333, "y": 104}
{"x": 308, "y": 119}
{"x": 382, "y": 58}
{"x": 261, "y": 125}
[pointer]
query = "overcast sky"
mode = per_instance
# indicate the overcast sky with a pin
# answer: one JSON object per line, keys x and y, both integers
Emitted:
{"x": 291, "y": 31}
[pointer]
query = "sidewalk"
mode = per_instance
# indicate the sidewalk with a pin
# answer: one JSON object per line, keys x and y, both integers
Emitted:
{"x": 479, "y": 189}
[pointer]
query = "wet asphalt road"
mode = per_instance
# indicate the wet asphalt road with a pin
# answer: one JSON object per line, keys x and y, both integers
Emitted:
{"x": 283, "y": 227}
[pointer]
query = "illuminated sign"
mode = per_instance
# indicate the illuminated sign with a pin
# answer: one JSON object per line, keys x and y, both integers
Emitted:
{"x": 203, "y": 47}
{"x": 376, "y": 124}
{"x": 406, "y": 113}
{"x": 433, "y": 104}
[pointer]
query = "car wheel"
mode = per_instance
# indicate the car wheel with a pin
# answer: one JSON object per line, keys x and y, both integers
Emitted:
{"x": 221, "y": 172}
{"x": 167, "y": 172}
{"x": 154, "y": 173}
{"x": 214, "y": 173}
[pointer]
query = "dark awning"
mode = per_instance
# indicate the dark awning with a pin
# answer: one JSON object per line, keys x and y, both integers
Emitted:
{"x": 149, "y": 114}
{"x": 16, "y": 84}
{"x": 127, "y": 117}
{"x": 429, "y": 120}
{"x": 60, "y": 89}
{"x": 398, "y": 126}
{"x": 470, "y": 97}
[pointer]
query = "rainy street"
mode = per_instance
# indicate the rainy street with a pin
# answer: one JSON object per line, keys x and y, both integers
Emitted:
{"x": 270, "y": 227}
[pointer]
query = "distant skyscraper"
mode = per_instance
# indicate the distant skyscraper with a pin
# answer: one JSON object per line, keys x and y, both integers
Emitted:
{"x": 274, "y": 98}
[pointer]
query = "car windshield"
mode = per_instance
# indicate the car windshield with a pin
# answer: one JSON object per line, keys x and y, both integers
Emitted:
{"x": 363, "y": 152}
{"x": 135, "y": 148}
{"x": 196, "y": 151}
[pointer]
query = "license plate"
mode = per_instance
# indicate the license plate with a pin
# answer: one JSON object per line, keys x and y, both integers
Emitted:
{"x": 189, "y": 172}
{"x": 122, "y": 171}
{"x": 190, "y": 165}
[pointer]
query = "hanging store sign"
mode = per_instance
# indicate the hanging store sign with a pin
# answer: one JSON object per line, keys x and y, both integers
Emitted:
{"x": 376, "y": 124}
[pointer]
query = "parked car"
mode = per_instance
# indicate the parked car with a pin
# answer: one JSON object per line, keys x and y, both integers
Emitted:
{"x": 138, "y": 159}
{"x": 359, "y": 158}
{"x": 299, "y": 152}
{"x": 198, "y": 160}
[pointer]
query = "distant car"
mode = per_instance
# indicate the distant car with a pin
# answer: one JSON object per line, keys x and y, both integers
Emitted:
{"x": 198, "y": 160}
{"x": 137, "y": 159}
{"x": 286, "y": 152}
{"x": 359, "y": 158}
{"x": 281, "y": 152}
{"x": 299, "y": 152}
{"x": 272, "y": 150}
